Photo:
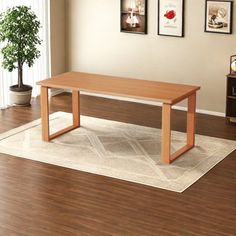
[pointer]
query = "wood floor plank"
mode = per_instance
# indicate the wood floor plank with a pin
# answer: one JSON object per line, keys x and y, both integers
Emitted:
{"x": 42, "y": 199}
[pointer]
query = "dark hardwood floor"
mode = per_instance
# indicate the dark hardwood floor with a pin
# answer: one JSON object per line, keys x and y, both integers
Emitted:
{"x": 41, "y": 199}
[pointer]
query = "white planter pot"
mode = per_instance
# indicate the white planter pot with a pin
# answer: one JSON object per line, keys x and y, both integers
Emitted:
{"x": 20, "y": 98}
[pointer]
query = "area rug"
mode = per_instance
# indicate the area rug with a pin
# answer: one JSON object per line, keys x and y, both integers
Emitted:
{"x": 124, "y": 151}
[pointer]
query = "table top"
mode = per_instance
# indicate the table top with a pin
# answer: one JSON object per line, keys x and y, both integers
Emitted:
{"x": 168, "y": 93}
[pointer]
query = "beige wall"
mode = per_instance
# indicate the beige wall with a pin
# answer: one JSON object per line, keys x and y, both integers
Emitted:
{"x": 96, "y": 45}
{"x": 58, "y": 37}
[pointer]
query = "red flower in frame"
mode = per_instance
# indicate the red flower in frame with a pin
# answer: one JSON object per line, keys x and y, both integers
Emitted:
{"x": 170, "y": 14}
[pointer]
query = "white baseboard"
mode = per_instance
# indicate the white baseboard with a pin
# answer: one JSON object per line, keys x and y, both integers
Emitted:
{"x": 55, "y": 92}
{"x": 213, "y": 113}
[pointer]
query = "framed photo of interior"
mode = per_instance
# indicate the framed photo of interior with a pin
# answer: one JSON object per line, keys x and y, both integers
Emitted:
{"x": 218, "y": 16}
{"x": 171, "y": 18}
{"x": 133, "y": 17}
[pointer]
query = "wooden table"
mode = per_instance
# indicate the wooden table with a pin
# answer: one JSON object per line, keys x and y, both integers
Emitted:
{"x": 166, "y": 93}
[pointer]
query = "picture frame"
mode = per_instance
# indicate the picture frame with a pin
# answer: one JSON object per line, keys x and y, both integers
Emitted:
{"x": 218, "y": 16}
{"x": 171, "y": 18}
{"x": 133, "y": 16}
{"x": 233, "y": 65}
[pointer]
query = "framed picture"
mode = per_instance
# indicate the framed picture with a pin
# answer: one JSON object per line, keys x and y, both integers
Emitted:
{"x": 133, "y": 16}
{"x": 218, "y": 17}
{"x": 171, "y": 18}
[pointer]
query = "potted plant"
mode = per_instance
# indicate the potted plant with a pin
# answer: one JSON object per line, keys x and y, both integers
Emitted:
{"x": 19, "y": 28}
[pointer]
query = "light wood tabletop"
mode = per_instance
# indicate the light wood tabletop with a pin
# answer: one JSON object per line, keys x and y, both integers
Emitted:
{"x": 142, "y": 89}
{"x": 166, "y": 93}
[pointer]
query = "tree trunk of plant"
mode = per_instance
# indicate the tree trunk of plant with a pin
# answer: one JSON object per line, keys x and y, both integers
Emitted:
{"x": 20, "y": 75}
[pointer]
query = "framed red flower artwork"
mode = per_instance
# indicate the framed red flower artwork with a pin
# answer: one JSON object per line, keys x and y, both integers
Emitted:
{"x": 171, "y": 18}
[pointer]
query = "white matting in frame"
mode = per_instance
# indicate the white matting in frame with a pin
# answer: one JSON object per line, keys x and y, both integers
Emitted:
{"x": 171, "y": 18}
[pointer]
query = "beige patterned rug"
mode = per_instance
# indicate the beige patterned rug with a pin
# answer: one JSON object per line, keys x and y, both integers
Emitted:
{"x": 117, "y": 150}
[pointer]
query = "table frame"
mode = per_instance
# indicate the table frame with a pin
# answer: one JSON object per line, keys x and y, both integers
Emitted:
{"x": 166, "y": 156}
{"x": 46, "y": 136}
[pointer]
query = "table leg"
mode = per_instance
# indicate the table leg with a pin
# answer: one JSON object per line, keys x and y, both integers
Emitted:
{"x": 167, "y": 157}
{"x": 191, "y": 120}
{"x": 76, "y": 108}
{"x": 45, "y": 114}
{"x": 46, "y": 136}
{"x": 166, "y": 134}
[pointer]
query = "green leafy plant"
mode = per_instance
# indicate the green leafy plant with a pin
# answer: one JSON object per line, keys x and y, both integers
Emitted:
{"x": 19, "y": 28}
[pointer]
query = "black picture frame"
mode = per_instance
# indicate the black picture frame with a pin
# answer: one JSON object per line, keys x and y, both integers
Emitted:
{"x": 166, "y": 25}
{"x": 133, "y": 16}
{"x": 212, "y": 25}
